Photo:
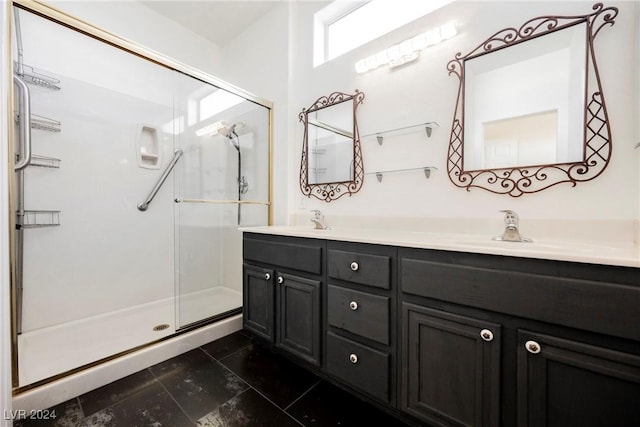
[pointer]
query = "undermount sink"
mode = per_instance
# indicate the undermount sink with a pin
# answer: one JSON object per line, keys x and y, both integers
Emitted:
{"x": 575, "y": 247}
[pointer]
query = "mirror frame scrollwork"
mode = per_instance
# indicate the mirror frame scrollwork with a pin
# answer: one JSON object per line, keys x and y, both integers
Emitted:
{"x": 332, "y": 190}
{"x": 519, "y": 180}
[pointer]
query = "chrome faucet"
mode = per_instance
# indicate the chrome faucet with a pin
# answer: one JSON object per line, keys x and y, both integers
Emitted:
{"x": 511, "y": 232}
{"x": 318, "y": 220}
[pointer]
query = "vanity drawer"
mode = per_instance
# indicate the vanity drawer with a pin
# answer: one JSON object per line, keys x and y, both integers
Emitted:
{"x": 359, "y": 312}
{"x": 358, "y": 365}
{"x": 296, "y": 254}
{"x": 545, "y": 295}
{"x": 357, "y": 267}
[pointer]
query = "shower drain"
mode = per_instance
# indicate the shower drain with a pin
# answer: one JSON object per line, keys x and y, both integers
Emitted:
{"x": 161, "y": 327}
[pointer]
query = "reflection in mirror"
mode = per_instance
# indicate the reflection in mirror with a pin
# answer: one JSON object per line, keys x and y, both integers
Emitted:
{"x": 331, "y": 164}
{"x": 517, "y": 141}
{"x": 330, "y": 134}
{"x": 552, "y": 69}
{"x": 530, "y": 112}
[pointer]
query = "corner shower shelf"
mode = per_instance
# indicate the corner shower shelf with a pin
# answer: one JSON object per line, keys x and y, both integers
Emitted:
{"x": 40, "y": 218}
{"x": 427, "y": 171}
{"x": 427, "y": 126}
{"x": 31, "y": 76}
{"x": 44, "y": 162}
{"x": 45, "y": 123}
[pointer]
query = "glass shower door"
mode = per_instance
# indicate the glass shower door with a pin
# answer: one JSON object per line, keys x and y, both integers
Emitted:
{"x": 222, "y": 183}
{"x": 127, "y": 211}
{"x": 97, "y": 273}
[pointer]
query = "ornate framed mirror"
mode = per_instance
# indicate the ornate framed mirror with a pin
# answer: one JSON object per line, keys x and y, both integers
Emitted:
{"x": 331, "y": 164}
{"x": 530, "y": 112}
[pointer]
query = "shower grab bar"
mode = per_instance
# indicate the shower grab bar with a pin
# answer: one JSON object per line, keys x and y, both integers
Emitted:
{"x": 24, "y": 116}
{"x": 144, "y": 205}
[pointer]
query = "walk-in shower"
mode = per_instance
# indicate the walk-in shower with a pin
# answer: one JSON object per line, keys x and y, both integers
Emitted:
{"x": 126, "y": 211}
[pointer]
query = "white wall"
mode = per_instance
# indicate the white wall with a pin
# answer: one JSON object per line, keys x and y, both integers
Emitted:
{"x": 136, "y": 22}
{"x": 423, "y": 91}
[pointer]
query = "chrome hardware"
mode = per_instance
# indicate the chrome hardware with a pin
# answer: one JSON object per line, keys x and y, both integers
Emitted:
{"x": 318, "y": 220}
{"x": 353, "y": 358}
{"x": 511, "y": 232}
{"x": 280, "y": 280}
{"x": 532, "y": 347}
{"x": 144, "y": 205}
{"x": 24, "y": 117}
{"x": 353, "y": 305}
{"x": 267, "y": 276}
{"x": 354, "y": 266}
{"x": 486, "y": 335}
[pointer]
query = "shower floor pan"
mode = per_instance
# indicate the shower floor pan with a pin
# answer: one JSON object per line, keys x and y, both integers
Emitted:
{"x": 47, "y": 352}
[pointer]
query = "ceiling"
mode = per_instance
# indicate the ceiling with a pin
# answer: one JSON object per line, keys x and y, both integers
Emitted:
{"x": 218, "y": 21}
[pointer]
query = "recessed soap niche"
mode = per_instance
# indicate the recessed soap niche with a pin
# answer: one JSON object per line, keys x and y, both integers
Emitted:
{"x": 148, "y": 150}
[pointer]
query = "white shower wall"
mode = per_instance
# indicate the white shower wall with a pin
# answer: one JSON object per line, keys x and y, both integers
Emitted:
{"x": 105, "y": 255}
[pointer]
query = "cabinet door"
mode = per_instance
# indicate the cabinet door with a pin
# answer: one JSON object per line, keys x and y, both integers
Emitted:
{"x": 258, "y": 302}
{"x": 299, "y": 316}
{"x": 564, "y": 383}
{"x": 450, "y": 368}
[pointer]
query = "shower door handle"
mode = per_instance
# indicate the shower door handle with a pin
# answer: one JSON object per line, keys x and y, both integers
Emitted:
{"x": 144, "y": 205}
{"x": 24, "y": 120}
{"x": 24, "y": 152}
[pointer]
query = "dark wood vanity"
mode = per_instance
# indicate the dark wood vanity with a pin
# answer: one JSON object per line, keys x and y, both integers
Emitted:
{"x": 448, "y": 338}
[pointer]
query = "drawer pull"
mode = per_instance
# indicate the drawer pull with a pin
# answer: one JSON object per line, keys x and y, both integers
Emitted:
{"x": 267, "y": 276}
{"x": 532, "y": 347}
{"x": 354, "y": 266}
{"x": 353, "y": 305}
{"x": 280, "y": 280}
{"x": 486, "y": 335}
{"x": 353, "y": 358}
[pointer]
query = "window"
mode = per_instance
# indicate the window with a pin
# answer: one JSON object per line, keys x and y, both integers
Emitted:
{"x": 343, "y": 26}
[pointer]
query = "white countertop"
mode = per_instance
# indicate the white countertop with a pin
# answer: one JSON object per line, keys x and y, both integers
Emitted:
{"x": 607, "y": 253}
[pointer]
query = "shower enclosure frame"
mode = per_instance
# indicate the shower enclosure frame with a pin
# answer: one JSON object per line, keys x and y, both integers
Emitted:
{"x": 55, "y": 15}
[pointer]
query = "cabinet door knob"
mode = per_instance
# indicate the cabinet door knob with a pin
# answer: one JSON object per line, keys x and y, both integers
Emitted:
{"x": 532, "y": 347}
{"x": 354, "y": 266}
{"x": 267, "y": 276}
{"x": 353, "y": 358}
{"x": 353, "y": 305}
{"x": 280, "y": 280}
{"x": 486, "y": 335}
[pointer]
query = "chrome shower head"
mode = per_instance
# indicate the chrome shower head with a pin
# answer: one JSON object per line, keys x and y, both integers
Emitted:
{"x": 231, "y": 130}
{"x": 228, "y": 131}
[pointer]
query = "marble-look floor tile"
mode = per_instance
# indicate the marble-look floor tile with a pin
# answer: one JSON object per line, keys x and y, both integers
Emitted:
{"x": 328, "y": 405}
{"x": 197, "y": 382}
{"x": 280, "y": 380}
{"x": 66, "y": 414}
{"x": 248, "y": 409}
{"x": 227, "y": 345}
{"x": 115, "y": 392}
{"x": 152, "y": 406}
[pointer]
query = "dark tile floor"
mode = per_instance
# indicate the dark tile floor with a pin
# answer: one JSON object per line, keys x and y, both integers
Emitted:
{"x": 233, "y": 381}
